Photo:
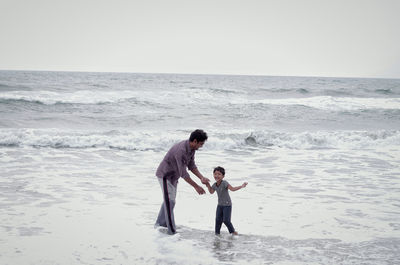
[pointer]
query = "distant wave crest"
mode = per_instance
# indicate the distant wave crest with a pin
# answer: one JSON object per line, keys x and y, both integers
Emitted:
{"x": 334, "y": 103}
{"x": 142, "y": 141}
{"x": 176, "y": 97}
{"x": 78, "y": 97}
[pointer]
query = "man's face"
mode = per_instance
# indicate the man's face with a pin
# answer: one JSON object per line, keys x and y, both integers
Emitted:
{"x": 197, "y": 145}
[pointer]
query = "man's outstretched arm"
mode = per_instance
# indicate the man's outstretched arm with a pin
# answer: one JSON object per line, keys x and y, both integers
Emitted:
{"x": 200, "y": 176}
{"x": 199, "y": 189}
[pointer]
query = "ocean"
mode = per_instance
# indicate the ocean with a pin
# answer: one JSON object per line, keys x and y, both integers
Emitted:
{"x": 79, "y": 151}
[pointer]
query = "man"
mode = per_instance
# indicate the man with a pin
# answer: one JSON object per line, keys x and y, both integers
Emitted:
{"x": 171, "y": 168}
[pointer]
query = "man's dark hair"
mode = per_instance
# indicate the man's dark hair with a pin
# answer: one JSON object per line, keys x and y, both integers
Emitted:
{"x": 199, "y": 135}
{"x": 220, "y": 169}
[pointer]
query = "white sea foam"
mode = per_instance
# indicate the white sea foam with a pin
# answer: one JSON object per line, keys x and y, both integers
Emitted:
{"x": 300, "y": 207}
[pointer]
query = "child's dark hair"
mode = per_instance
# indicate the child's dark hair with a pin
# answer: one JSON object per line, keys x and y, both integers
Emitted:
{"x": 199, "y": 135}
{"x": 220, "y": 169}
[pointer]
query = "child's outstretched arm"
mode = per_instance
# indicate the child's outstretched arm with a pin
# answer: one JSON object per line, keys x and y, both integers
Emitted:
{"x": 238, "y": 187}
{"x": 210, "y": 189}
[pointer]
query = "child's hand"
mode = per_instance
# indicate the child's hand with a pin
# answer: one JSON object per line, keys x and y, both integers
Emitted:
{"x": 244, "y": 184}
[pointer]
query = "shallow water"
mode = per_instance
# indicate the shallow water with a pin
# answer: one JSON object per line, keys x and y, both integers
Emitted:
{"x": 99, "y": 205}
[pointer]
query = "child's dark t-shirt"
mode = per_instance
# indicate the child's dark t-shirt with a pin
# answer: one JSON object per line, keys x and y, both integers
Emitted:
{"x": 223, "y": 195}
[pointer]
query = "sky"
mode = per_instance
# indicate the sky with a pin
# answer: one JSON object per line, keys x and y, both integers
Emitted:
{"x": 332, "y": 38}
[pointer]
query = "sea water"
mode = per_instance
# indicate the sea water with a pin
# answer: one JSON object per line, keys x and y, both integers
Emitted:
{"x": 78, "y": 154}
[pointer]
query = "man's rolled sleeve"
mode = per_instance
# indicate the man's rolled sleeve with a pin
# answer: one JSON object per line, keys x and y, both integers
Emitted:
{"x": 192, "y": 164}
{"x": 181, "y": 166}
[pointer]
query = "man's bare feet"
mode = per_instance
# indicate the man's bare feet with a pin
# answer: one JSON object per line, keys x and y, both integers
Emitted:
{"x": 235, "y": 233}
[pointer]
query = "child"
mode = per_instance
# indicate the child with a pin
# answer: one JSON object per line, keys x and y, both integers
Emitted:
{"x": 224, "y": 207}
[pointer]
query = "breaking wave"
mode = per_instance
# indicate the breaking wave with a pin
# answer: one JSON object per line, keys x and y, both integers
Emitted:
{"x": 337, "y": 103}
{"x": 143, "y": 141}
{"x": 177, "y": 96}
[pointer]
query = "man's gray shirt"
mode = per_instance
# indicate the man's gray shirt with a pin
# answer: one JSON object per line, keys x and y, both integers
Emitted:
{"x": 223, "y": 195}
{"x": 174, "y": 164}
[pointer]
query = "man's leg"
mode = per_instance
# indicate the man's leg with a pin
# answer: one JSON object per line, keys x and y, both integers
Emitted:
{"x": 161, "y": 217}
{"x": 166, "y": 214}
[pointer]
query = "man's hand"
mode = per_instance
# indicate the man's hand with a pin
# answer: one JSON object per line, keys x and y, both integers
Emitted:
{"x": 200, "y": 190}
{"x": 200, "y": 176}
{"x": 205, "y": 180}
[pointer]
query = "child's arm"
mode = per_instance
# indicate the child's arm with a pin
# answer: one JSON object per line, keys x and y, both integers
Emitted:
{"x": 210, "y": 189}
{"x": 238, "y": 187}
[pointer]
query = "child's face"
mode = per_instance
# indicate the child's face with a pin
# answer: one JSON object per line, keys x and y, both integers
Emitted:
{"x": 218, "y": 176}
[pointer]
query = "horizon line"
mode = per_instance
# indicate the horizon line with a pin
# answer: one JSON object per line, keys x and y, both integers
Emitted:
{"x": 210, "y": 74}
